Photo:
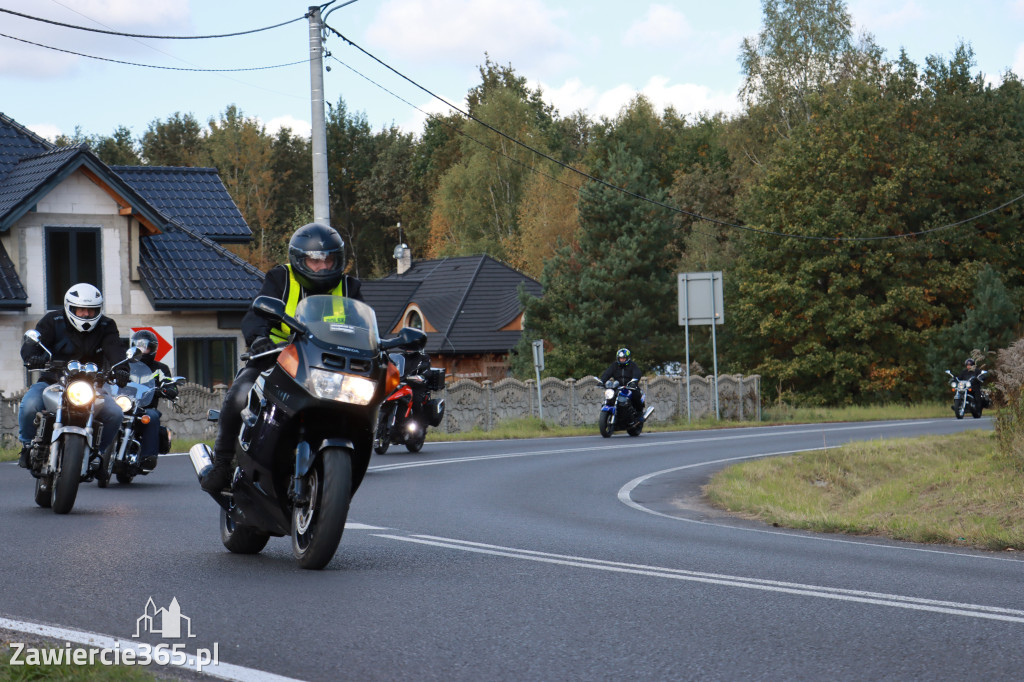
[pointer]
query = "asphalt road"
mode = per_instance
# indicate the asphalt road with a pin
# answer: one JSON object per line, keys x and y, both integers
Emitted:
{"x": 552, "y": 559}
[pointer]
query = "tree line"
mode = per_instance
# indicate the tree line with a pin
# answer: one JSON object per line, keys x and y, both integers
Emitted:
{"x": 849, "y": 205}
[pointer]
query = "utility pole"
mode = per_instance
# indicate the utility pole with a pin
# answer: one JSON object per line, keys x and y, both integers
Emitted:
{"x": 321, "y": 198}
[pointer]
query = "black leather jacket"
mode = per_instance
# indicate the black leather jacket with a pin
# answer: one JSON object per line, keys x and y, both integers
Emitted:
{"x": 101, "y": 345}
{"x": 622, "y": 373}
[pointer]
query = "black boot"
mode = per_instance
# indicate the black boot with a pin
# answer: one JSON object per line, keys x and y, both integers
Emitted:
{"x": 23, "y": 461}
{"x": 219, "y": 477}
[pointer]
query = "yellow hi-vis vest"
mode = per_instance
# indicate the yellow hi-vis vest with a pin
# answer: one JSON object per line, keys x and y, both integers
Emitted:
{"x": 292, "y": 293}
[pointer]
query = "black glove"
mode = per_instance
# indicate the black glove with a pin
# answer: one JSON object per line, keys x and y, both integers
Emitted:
{"x": 36, "y": 361}
{"x": 169, "y": 392}
{"x": 261, "y": 345}
{"x": 121, "y": 377}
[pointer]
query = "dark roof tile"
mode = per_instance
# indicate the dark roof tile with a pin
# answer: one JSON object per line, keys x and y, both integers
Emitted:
{"x": 193, "y": 197}
{"x": 12, "y": 292}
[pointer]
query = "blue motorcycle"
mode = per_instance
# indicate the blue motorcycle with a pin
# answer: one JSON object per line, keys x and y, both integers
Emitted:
{"x": 617, "y": 413}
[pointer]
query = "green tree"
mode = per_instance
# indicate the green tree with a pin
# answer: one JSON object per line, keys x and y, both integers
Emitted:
{"x": 241, "y": 151}
{"x": 613, "y": 287}
{"x": 178, "y": 141}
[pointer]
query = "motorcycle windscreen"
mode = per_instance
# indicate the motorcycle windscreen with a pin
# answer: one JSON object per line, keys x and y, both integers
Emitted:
{"x": 340, "y": 321}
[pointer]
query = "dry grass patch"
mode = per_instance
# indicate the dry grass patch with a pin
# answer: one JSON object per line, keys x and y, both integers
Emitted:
{"x": 938, "y": 489}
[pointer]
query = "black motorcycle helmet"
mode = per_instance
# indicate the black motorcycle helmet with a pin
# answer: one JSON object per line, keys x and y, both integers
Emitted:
{"x": 622, "y": 357}
{"x": 314, "y": 243}
{"x": 969, "y": 363}
{"x": 145, "y": 341}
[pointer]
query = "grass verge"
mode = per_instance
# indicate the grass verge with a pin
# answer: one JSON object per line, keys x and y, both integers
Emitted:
{"x": 952, "y": 489}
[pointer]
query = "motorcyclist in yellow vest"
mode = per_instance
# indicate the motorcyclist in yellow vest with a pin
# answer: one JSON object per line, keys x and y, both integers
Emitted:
{"x": 316, "y": 264}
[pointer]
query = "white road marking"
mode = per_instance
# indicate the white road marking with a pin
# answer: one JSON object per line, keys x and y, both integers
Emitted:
{"x": 632, "y": 444}
{"x": 224, "y": 671}
{"x": 625, "y": 496}
{"x": 841, "y": 594}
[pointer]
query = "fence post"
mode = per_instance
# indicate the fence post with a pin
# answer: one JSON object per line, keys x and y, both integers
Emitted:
{"x": 572, "y": 401}
{"x": 740, "y": 378}
{"x": 489, "y": 420}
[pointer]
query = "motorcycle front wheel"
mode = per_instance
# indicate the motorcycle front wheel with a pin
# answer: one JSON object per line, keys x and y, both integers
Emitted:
{"x": 68, "y": 473}
{"x": 318, "y": 524}
{"x": 604, "y": 424}
{"x": 415, "y": 443}
{"x": 240, "y": 539}
{"x": 380, "y": 446}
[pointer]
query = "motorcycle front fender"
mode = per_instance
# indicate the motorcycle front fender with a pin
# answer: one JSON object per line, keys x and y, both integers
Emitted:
{"x": 336, "y": 443}
{"x": 58, "y": 431}
{"x": 608, "y": 408}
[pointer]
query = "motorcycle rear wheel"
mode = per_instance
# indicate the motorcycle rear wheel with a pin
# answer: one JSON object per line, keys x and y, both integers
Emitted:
{"x": 976, "y": 413}
{"x": 604, "y": 426}
{"x": 318, "y": 525}
{"x": 240, "y": 539}
{"x": 68, "y": 474}
{"x": 125, "y": 479}
{"x": 43, "y": 484}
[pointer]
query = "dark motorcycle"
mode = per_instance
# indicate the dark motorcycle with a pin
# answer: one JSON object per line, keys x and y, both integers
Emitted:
{"x": 63, "y": 452}
{"x": 134, "y": 398}
{"x": 964, "y": 398}
{"x": 400, "y": 421}
{"x": 617, "y": 413}
{"x": 307, "y": 430}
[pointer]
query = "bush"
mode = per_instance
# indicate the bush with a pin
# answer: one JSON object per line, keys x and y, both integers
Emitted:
{"x": 1010, "y": 393}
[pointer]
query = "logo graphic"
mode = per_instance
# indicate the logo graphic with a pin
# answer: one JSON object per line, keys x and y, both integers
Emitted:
{"x": 164, "y": 622}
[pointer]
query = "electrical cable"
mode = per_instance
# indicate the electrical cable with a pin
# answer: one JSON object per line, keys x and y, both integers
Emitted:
{"x": 143, "y": 35}
{"x": 674, "y": 209}
{"x": 152, "y": 66}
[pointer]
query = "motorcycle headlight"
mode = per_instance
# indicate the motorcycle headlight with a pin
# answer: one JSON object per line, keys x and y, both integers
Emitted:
{"x": 80, "y": 393}
{"x": 125, "y": 403}
{"x": 344, "y": 388}
{"x": 609, "y": 394}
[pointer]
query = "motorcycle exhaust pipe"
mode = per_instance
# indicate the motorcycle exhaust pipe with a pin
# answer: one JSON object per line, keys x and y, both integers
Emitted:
{"x": 202, "y": 459}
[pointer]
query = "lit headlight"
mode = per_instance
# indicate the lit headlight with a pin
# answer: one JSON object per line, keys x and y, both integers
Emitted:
{"x": 124, "y": 402}
{"x": 341, "y": 387}
{"x": 80, "y": 393}
{"x": 609, "y": 394}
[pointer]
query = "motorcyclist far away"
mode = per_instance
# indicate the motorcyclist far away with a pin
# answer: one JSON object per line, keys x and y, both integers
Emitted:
{"x": 625, "y": 370}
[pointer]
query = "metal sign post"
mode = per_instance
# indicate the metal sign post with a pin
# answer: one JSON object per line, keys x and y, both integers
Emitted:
{"x": 700, "y": 302}
{"x": 538, "y": 366}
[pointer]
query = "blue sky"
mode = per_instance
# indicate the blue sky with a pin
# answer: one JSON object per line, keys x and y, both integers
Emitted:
{"x": 593, "y": 55}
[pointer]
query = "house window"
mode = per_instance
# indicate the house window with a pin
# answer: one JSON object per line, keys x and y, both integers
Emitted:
{"x": 414, "y": 320}
{"x": 208, "y": 362}
{"x": 72, "y": 256}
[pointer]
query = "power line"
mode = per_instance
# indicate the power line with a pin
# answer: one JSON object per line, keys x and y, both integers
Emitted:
{"x": 674, "y": 209}
{"x": 143, "y": 35}
{"x": 152, "y": 66}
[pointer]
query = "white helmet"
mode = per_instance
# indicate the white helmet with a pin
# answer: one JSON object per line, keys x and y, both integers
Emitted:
{"x": 83, "y": 306}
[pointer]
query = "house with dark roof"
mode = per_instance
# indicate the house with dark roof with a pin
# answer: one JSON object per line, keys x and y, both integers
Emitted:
{"x": 150, "y": 238}
{"x": 468, "y": 306}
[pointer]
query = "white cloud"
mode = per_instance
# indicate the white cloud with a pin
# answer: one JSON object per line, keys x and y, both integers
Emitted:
{"x": 686, "y": 98}
{"x": 298, "y": 126}
{"x": 1017, "y": 7}
{"x": 661, "y": 27}
{"x": 119, "y": 14}
{"x": 460, "y": 31}
{"x": 47, "y": 130}
{"x": 1018, "y": 61}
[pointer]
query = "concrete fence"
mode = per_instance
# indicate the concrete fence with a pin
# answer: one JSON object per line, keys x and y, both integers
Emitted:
{"x": 470, "y": 405}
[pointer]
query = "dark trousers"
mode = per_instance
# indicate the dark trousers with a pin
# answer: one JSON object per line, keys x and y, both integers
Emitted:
{"x": 230, "y": 421}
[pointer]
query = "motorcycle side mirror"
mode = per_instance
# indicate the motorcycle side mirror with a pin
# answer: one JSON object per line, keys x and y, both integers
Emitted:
{"x": 33, "y": 336}
{"x": 273, "y": 309}
{"x": 408, "y": 336}
{"x": 269, "y": 307}
{"x": 177, "y": 380}
{"x": 132, "y": 352}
